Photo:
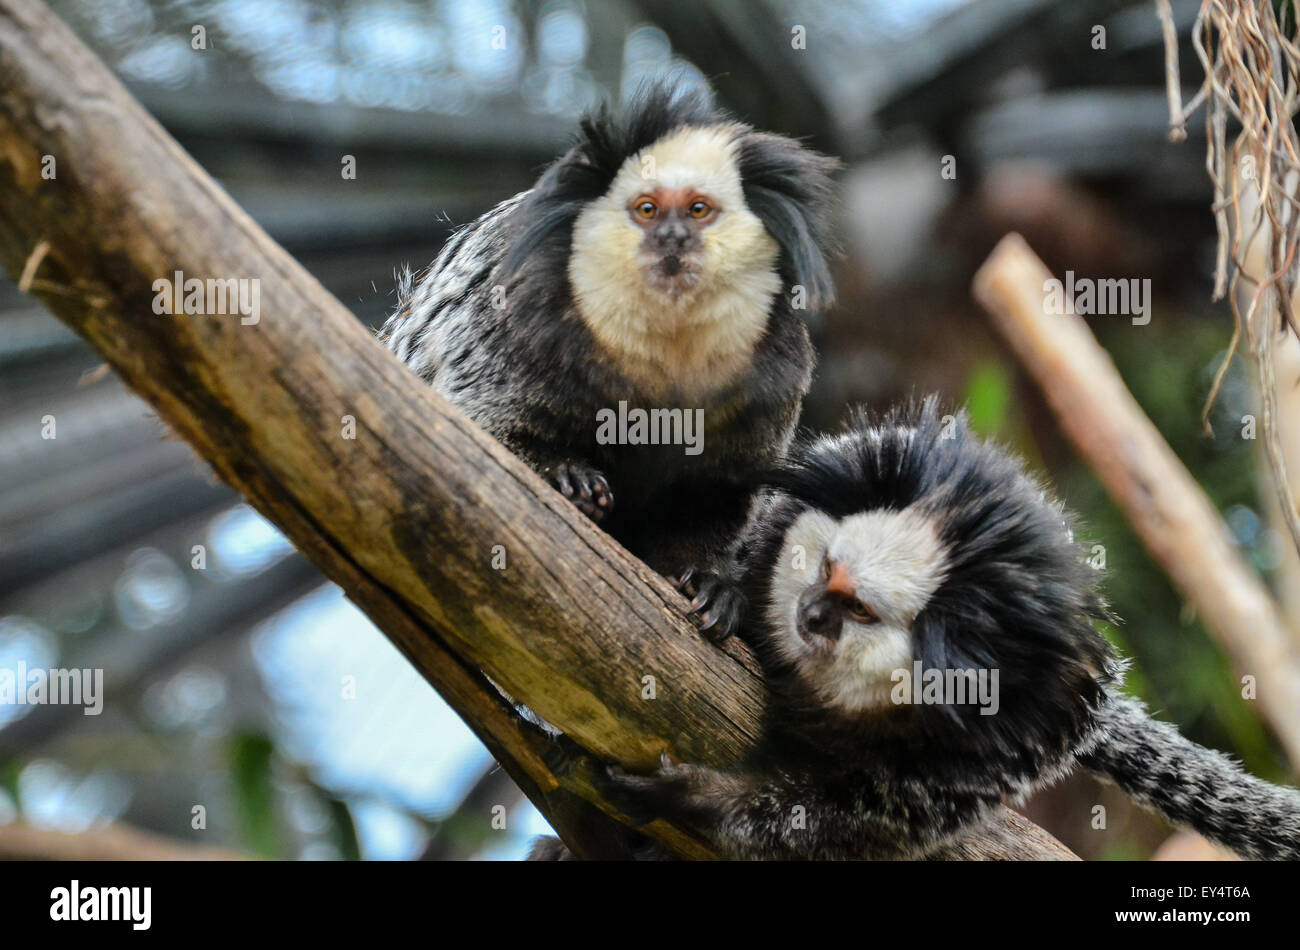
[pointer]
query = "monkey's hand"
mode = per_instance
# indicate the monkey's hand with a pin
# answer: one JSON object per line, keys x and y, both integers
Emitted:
{"x": 717, "y": 602}
{"x": 582, "y": 485}
{"x": 688, "y": 794}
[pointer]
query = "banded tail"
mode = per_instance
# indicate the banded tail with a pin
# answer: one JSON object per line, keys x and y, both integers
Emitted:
{"x": 1157, "y": 766}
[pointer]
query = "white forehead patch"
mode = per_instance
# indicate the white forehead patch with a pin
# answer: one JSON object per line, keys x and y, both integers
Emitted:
{"x": 897, "y": 563}
{"x": 895, "y": 558}
{"x": 699, "y": 158}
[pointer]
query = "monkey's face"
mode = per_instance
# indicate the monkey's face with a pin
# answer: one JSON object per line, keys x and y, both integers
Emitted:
{"x": 844, "y": 596}
{"x": 672, "y": 235}
{"x": 673, "y": 222}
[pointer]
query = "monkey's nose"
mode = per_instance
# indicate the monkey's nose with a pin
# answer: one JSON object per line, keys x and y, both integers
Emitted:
{"x": 672, "y": 238}
{"x": 818, "y": 616}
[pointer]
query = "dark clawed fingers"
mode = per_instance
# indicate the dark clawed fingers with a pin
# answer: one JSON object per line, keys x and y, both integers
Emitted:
{"x": 716, "y": 603}
{"x": 585, "y": 487}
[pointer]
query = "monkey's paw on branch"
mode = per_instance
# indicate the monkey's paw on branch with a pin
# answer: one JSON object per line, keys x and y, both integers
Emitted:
{"x": 673, "y": 790}
{"x": 584, "y": 486}
{"x": 717, "y": 603}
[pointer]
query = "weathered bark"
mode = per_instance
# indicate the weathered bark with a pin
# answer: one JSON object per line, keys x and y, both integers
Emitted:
{"x": 406, "y": 515}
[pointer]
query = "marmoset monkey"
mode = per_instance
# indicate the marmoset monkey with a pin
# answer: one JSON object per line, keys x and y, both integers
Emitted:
{"x": 879, "y": 563}
{"x": 630, "y": 325}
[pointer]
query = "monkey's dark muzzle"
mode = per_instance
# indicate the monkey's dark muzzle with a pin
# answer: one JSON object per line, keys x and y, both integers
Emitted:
{"x": 820, "y": 617}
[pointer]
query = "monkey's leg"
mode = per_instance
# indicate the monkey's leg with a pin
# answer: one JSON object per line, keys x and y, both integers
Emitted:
{"x": 787, "y": 817}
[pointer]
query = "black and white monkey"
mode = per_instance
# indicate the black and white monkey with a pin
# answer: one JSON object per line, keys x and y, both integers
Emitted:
{"x": 909, "y": 540}
{"x": 659, "y": 265}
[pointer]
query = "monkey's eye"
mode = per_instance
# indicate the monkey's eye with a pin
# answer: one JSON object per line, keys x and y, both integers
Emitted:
{"x": 861, "y": 613}
{"x": 645, "y": 209}
{"x": 699, "y": 209}
{"x": 826, "y": 567}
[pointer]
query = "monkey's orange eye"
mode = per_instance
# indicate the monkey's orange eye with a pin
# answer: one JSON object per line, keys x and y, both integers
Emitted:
{"x": 645, "y": 209}
{"x": 699, "y": 209}
{"x": 861, "y": 612}
{"x": 826, "y": 567}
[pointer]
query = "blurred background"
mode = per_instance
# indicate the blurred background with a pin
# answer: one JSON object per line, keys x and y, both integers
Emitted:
{"x": 225, "y": 685}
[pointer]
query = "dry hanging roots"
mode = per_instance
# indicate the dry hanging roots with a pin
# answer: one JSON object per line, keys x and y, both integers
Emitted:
{"x": 1251, "y": 61}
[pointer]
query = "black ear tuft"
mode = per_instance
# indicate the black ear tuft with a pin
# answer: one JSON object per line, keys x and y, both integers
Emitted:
{"x": 790, "y": 189}
{"x": 606, "y": 139}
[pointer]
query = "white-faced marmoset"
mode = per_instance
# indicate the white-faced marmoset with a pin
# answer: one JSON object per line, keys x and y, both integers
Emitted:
{"x": 652, "y": 278}
{"x": 893, "y": 555}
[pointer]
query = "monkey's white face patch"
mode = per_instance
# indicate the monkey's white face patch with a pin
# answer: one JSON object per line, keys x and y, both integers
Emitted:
{"x": 896, "y": 562}
{"x": 701, "y": 335}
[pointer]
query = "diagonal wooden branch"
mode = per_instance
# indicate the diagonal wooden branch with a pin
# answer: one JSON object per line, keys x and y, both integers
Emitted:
{"x": 1169, "y": 512}
{"x": 115, "y": 842}
{"x": 391, "y": 491}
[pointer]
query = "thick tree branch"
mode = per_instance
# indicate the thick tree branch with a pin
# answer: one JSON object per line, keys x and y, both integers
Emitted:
{"x": 406, "y": 513}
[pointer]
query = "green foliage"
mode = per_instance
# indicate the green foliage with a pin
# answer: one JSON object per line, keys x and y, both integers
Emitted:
{"x": 988, "y": 394}
{"x": 251, "y": 761}
{"x": 343, "y": 828}
{"x": 1123, "y": 849}
{"x": 10, "y": 769}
